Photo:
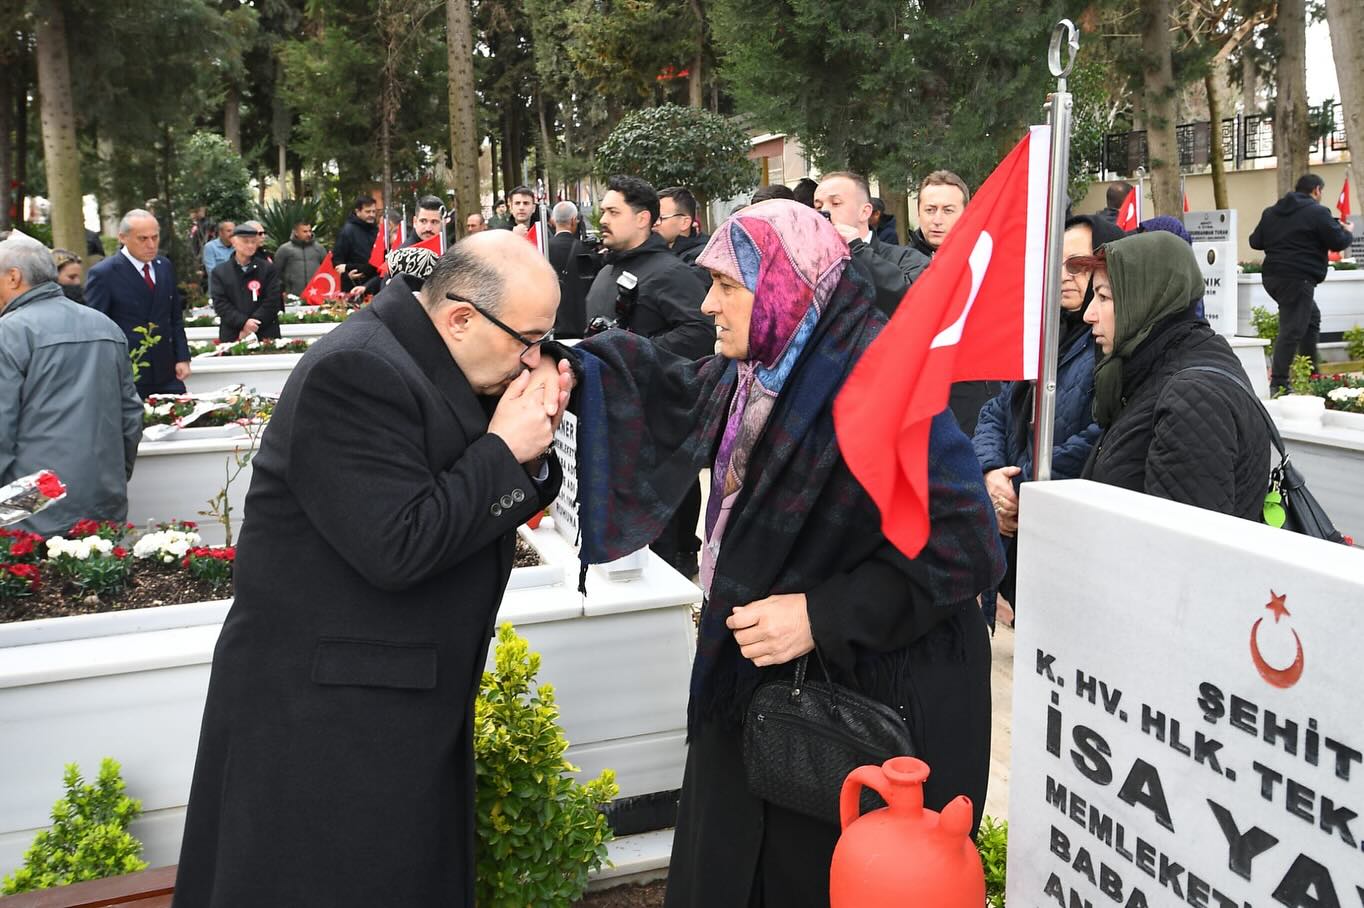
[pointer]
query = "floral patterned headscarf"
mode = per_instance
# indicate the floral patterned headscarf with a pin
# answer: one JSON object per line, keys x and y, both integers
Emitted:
{"x": 791, "y": 259}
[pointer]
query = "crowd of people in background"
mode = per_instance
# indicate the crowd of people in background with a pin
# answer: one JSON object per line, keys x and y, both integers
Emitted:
{"x": 1149, "y": 398}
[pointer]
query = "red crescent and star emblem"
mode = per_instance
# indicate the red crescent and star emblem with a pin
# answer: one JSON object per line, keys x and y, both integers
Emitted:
{"x": 1279, "y": 677}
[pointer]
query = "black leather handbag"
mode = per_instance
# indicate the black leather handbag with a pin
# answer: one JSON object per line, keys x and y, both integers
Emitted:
{"x": 1287, "y": 488}
{"x": 801, "y": 739}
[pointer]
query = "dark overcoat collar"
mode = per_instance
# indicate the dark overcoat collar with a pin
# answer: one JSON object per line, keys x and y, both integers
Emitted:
{"x": 400, "y": 312}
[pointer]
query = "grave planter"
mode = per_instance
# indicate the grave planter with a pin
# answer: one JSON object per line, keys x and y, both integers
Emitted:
{"x": 132, "y": 684}
{"x": 210, "y": 334}
{"x": 264, "y": 374}
{"x": 175, "y": 479}
{"x": 1340, "y": 298}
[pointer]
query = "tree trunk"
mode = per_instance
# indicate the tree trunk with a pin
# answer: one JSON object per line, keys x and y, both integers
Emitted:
{"x": 280, "y": 125}
{"x": 297, "y": 172}
{"x": 696, "y": 87}
{"x": 897, "y": 203}
{"x": 232, "y": 118}
{"x": 21, "y": 149}
{"x": 1250, "y": 83}
{"x": 1215, "y": 149}
{"x": 1290, "y": 95}
{"x": 494, "y": 169}
{"x": 386, "y": 153}
{"x": 6, "y": 145}
{"x": 463, "y": 121}
{"x": 60, "y": 152}
{"x": 1346, "y": 21}
{"x": 1163, "y": 150}
{"x": 546, "y": 149}
{"x": 109, "y": 208}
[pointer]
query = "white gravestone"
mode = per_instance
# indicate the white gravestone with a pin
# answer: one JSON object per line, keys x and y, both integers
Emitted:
{"x": 1214, "y": 246}
{"x": 1186, "y": 718}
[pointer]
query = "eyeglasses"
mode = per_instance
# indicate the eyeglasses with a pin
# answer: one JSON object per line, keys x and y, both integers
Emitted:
{"x": 529, "y": 343}
{"x": 1075, "y": 270}
{"x": 668, "y": 217}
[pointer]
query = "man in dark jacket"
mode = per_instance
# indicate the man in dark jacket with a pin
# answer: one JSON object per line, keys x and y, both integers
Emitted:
{"x": 299, "y": 259}
{"x": 1295, "y": 234}
{"x": 1117, "y": 193}
{"x": 354, "y": 243}
{"x": 883, "y": 224}
{"x": 408, "y": 446}
{"x": 649, "y": 291}
{"x": 575, "y": 267}
{"x": 246, "y": 292}
{"x": 136, "y": 288}
{"x": 677, "y": 223}
{"x": 942, "y": 199}
{"x": 845, "y": 200}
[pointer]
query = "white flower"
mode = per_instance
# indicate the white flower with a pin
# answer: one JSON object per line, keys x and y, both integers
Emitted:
{"x": 165, "y": 545}
{"x": 1340, "y": 395}
{"x": 79, "y": 549}
{"x": 164, "y": 409}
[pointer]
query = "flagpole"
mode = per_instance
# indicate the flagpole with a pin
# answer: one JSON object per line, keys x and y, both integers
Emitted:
{"x": 1064, "y": 35}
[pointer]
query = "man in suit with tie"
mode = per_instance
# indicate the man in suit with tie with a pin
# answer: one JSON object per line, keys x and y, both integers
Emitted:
{"x": 136, "y": 287}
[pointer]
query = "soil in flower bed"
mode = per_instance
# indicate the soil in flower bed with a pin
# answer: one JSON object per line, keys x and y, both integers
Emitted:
{"x": 525, "y": 555}
{"x": 147, "y": 587}
{"x": 650, "y": 895}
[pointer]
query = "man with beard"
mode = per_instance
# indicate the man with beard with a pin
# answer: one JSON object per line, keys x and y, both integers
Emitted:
{"x": 354, "y": 243}
{"x": 649, "y": 291}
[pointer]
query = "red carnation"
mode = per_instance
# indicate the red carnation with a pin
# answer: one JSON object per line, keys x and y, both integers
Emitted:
{"x": 21, "y": 548}
{"x": 82, "y": 528}
{"x": 49, "y": 485}
{"x": 28, "y": 572}
{"x": 120, "y": 552}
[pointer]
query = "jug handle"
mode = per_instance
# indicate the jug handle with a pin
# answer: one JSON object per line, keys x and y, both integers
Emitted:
{"x": 850, "y": 798}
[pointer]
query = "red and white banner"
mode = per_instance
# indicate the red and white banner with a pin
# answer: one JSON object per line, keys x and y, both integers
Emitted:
{"x": 324, "y": 282}
{"x": 976, "y": 313}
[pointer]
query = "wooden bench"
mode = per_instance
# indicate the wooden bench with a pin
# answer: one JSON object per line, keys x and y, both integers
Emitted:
{"x": 148, "y": 889}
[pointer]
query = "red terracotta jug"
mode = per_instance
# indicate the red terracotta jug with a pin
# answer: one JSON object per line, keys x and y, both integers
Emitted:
{"x": 902, "y": 855}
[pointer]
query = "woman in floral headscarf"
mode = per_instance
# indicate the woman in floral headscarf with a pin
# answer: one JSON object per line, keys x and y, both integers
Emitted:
{"x": 794, "y": 557}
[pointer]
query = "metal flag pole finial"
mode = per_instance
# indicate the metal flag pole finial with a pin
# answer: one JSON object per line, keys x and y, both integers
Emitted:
{"x": 1064, "y": 36}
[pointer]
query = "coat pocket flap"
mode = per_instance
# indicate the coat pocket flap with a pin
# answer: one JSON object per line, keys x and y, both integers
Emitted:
{"x": 374, "y": 663}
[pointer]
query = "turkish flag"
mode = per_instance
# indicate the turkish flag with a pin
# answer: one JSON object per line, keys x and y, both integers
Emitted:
{"x": 1186, "y": 203}
{"x": 976, "y": 313}
{"x": 1343, "y": 203}
{"x": 433, "y": 242}
{"x": 324, "y": 282}
{"x": 1128, "y": 218}
{"x": 379, "y": 252}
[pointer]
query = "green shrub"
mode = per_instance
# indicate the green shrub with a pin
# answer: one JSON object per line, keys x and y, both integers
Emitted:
{"x": 89, "y": 838}
{"x": 1300, "y": 375}
{"x": 1266, "y": 326}
{"x": 279, "y": 217}
{"x": 681, "y": 146}
{"x": 992, "y": 841}
{"x": 539, "y": 832}
{"x": 1354, "y": 343}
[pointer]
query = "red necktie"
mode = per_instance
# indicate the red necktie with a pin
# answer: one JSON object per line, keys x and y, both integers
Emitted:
{"x": 147, "y": 276}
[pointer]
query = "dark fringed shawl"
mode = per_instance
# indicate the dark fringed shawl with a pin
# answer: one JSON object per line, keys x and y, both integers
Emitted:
{"x": 649, "y": 421}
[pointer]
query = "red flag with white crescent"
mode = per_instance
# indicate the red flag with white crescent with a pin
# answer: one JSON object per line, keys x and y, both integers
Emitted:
{"x": 1128, "y": 216}
{"x": 433, "y": 243}
{"x": 1343, "y": 202}
{"x": 324, "y": 282}
{"x": 975, "y": 314}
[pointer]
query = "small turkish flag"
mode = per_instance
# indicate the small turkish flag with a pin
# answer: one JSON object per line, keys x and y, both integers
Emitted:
{"x": 432, "y": 243}
{"x": 1343, "y": 203}
{"x": 976, "y": 313}
{"x": 379, "y": 252}
{"x": 324, "y": 282}
{"x": 1186, "y": 203}
{"x": 1128, "y": 219}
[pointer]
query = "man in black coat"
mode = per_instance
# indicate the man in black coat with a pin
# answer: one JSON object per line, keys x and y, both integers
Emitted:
{"x": 845, "y": 200}
{"x": 335, "y": 763}
{"x": 246, "y": 289}
{"x": 1295, "y": 234}
{"x": 575, "y": 267}
{"x": 643, "y": 286}
{"x": 354, "y": 243}
{"x": 136, "y": 288}
{"x": 653, "y": 293}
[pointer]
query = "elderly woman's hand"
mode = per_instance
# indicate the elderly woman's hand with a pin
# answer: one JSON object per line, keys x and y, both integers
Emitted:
{"x": 774, "y": 630}
{"x": 999, "y": 484}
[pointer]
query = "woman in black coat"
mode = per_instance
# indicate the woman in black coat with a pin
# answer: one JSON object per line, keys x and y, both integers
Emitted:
{"x": 794, "y": 557}
{"x": 1171, "y": 427}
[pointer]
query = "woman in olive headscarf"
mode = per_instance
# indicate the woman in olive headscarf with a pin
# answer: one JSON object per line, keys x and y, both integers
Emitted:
{"x": 1170, "y": 427}
{"x": 794, "y": 556}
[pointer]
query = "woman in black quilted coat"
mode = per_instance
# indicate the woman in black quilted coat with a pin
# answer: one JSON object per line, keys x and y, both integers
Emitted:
{"x": 1170, "y": 428}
